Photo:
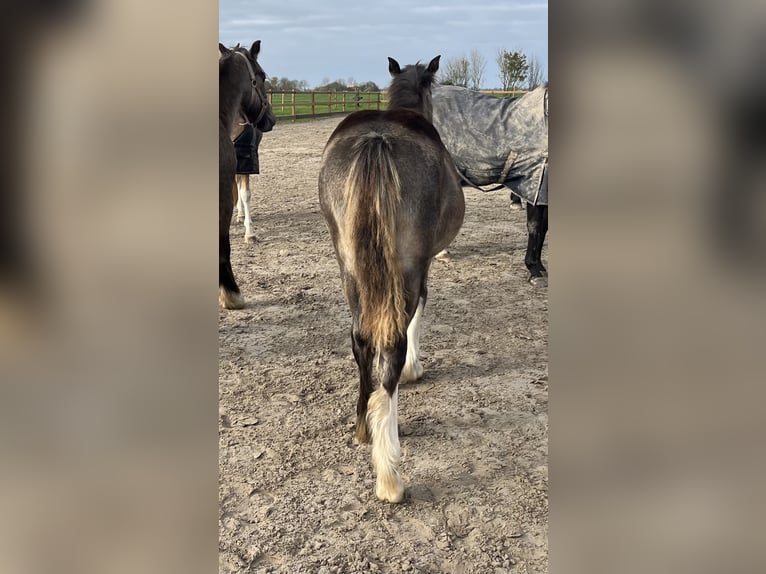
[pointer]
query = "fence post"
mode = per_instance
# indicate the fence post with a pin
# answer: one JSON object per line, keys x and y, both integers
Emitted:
{"x": 292, "y": 102}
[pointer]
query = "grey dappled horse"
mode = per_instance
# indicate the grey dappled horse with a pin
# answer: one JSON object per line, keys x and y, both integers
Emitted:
{"x": 392, "y": 200}
{"x": 501, "y": 140}
{"x": 241, "y": 90}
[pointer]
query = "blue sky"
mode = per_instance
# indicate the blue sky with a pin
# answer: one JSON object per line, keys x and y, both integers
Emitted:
{"x": 331, "y": 39}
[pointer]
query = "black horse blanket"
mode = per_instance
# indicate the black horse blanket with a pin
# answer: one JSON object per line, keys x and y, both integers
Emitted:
{"x": 246, "y": 146}
{"x": 497, "y": 140}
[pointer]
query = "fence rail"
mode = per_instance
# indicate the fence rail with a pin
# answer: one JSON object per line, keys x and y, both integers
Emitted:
{"x": 299, "y": 105}
{"x": 296, "y": 105}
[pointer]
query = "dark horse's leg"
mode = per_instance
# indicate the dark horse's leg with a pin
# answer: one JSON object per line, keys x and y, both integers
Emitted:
{"x": 537, "y": 226}
{"x": 363, "y": 353}
{"x": 228, "y": 292}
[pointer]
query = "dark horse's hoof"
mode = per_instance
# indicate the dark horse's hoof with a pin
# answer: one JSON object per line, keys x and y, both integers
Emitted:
{"x": 516, "y": 206}
{"x": 539, "y": 281}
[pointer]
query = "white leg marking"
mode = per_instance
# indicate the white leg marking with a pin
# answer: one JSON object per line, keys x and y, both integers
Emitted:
{"x": 243, "y": 205}
{"x": 413, "y": 369}
{"x": 241, "y": 186}
{"x": 383, "y": 422}
{"x": 229, "y": 300}
{"x": 443, "y": 256}
{"x": 249, "y": 233}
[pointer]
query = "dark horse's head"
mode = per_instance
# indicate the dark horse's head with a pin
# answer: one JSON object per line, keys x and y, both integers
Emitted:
{"x": 411, "y": 87}
{"x": 244, "y": 75}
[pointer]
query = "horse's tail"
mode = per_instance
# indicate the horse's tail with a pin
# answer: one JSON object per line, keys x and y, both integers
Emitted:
{"x": 373, "y": 194}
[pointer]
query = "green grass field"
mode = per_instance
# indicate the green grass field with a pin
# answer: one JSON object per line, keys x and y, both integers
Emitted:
{"x": 324, "y": 102}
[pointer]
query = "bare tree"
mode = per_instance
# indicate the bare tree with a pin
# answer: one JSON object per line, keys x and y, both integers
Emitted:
{"x": 455, "y": 72}
{"x": 534, "y": 73}
{"x": 477, "y": 63}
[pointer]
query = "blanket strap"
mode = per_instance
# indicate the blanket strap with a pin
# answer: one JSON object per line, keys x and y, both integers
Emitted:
{"x": 472, "y": 184}
{"x": 504, "y": 174}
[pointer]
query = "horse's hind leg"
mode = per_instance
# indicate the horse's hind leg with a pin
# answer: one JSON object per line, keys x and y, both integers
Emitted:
{"x": 243, "y": 206}
{"x": 383, "y": 422}
{"x": 363, "y": 353}
{"x": 241, "y": 187}
{"x": 364, "y": 356}
{"x": 413, "y": 369}
{"x": 228, "y": 292}
{"x": 537, "y": 226}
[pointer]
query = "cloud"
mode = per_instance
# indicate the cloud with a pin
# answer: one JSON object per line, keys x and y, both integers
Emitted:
{"x": 256, "y": 22}
{"x": 474, "y": 8}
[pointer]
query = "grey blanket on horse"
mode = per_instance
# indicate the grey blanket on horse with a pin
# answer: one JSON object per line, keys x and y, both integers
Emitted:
{"x": 497, "y": 140}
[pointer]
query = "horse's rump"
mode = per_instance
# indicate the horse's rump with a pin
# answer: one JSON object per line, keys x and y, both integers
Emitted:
{"x": 497, "y": 140}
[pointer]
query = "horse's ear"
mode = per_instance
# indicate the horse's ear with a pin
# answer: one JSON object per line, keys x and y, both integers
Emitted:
{"x": 222, "y": 50}
{"x": 433, "y": 66}
{"x": 255, "y": 49}
{"x": 393, "y": 67}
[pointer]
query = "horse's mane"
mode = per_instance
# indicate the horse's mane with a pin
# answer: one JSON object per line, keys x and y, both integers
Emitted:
{"x": 406, "y": 89}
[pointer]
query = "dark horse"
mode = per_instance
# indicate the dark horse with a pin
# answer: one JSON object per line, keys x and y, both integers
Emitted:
{"x": 241, "y": 90}
{"x": 392, "y": 200}
{"x": 499, "y": 140}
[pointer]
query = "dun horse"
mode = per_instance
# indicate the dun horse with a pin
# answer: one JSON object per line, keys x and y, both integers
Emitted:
{"x": 241, "y": 90}
{"x": 392, "y": 200}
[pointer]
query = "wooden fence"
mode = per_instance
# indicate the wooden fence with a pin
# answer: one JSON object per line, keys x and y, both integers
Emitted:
{"x": 300, "y": 105}
{"x": 303, "y": 105}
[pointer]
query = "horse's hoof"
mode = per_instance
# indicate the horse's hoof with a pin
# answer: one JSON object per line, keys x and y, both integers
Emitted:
{"x": 443, "y": 256}
{"x": 410, "y": 374}
{"x": 539, "y": 281}
{"x": 390, "y": 489}
{"x": 361, "y": 434}
{"x": 230, "y": 300}
{"x": 516, "y": 206}
{"x": 251, "y": 239}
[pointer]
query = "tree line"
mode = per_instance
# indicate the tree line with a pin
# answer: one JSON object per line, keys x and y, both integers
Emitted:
{"x": 517, "y": 71}
{"x": 278, "y": 84}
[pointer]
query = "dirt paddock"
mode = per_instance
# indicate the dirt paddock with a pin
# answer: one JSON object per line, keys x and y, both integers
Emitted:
{"x": 296, "y": 495}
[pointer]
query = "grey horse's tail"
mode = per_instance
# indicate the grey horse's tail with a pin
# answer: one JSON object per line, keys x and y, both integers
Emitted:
{"x": 373, "y": 195}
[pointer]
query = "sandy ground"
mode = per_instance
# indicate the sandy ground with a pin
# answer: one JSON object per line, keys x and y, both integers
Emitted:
{"x": 296, "y": 495}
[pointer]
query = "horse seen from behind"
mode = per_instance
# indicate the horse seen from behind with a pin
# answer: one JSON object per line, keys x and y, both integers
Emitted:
{"x": 392, "y": 199}
{"x": 241, "y": 91}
